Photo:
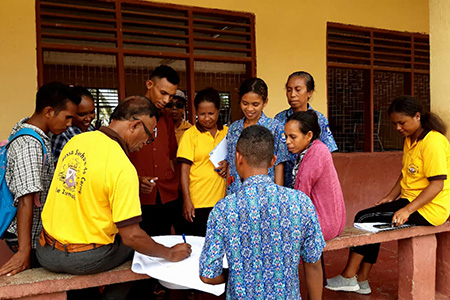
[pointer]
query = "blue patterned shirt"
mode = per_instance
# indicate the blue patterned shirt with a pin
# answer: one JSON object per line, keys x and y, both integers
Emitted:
{"x": 234, "y": 132}
{"x": 326, "y": 137}
{"x": 263, "y": 229}
{"x": 60, "y": 140}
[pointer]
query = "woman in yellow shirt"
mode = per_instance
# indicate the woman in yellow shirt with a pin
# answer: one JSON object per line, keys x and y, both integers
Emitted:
{"x": 421, "y": 195}
{"x": 201, "y": 183}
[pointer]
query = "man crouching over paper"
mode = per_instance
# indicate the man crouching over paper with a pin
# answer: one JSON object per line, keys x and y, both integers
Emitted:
{"x": 92, "y": 214}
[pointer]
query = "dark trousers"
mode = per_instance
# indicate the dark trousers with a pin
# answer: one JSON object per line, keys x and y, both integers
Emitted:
{"x": 93, "y": 261}
{"x": 198, "y": 227}
{"x": 158, "y": 219}
{"x": 178, "y": 217}
{"x": 383, "y": 213}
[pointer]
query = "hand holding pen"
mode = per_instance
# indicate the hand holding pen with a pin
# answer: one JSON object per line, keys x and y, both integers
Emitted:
{"x": 400, "y": 216}
{"x": 179, "y": 252}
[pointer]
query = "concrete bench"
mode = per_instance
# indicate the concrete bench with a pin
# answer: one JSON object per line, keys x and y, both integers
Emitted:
{"x": 423, "y": 257}
{"x": 40, "y": 284}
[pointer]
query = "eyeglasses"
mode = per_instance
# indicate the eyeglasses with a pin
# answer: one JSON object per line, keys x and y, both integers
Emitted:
{"x": 176, "y": 104}
{"x": 147, "y": 131}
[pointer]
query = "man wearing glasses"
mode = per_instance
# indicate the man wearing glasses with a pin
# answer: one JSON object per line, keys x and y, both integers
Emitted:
{"x": 156, "y": 162}
{"x": 92, "y": 214}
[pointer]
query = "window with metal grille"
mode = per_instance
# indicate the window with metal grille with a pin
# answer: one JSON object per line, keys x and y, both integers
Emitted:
{"x": 114, "y": 45}
{"x": 105, "y": 102}
{"x": 224, "y": 116}
{"x": 367, "y": 69}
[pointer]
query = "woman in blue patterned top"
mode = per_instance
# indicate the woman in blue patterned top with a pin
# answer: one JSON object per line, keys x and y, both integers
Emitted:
{"x": 299, "y": 89}
{"x": 252, "y": 99}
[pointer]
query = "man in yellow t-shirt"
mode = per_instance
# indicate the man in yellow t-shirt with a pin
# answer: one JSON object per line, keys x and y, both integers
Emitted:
{"x": 92, "y": 214}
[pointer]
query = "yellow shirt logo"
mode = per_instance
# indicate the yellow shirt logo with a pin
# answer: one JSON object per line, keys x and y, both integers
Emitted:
{"x": 413, "y": 169}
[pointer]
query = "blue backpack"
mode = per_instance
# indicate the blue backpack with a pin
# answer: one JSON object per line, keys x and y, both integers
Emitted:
{"x": 7, "y": 208}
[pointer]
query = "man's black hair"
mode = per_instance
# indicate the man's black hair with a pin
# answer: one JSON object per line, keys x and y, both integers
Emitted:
{"x": 167, "y": 72}
{"x": 256, "y": 144}
{"x": 56, "y": 95}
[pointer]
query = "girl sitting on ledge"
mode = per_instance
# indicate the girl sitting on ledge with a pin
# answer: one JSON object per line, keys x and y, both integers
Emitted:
{"x": 421, "y": 195}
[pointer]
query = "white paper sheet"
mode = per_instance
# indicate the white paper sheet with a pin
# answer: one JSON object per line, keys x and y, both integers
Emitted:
{"x": 219, "y": 153}
{"x": 176, "y": 275}
{"x": 371, "y": 226}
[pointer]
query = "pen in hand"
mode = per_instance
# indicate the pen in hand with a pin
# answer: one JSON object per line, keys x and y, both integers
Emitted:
{"x": 393, "y": 223}
{"x": 184, "y": 237}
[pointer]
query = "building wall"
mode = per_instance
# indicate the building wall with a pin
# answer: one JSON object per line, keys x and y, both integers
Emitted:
{"x": 440, "y": 60}
{"x": 290, "y": 36}
{"x": 18, "y": 70}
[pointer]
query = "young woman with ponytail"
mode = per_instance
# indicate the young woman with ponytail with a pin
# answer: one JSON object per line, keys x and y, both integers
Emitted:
{"x": 421, "y": 195}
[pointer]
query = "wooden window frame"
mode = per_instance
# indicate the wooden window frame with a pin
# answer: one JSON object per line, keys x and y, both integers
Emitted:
{"x": 120, "y": 51}
{"x": 363, "y": 54}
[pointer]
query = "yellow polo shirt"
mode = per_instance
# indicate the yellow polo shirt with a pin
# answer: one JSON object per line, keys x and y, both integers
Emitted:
{"x": 425, "y": 160}
{"x": 185, "y": 125}
{"x": 206, "y": 186}
{"x": 95, "y": 186}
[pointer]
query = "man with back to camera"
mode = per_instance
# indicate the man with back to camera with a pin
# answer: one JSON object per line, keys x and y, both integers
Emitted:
{"x": 156, "y": 163}
{"x": 28, "y": 173}
{"x": 263, "y": 229}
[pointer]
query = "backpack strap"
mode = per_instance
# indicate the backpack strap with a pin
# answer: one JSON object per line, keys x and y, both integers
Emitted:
{"x": 33, "y": 133}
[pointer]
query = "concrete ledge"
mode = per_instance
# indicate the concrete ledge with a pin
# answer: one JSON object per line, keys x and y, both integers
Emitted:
{"x": 35, "y": 282}
{"x": 420, "y": 257}
{"x": 42, "y": 284}
{"x": 352, "y": 236}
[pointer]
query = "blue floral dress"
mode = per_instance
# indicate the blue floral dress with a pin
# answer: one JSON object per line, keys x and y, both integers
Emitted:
{"x": 234, "y": 131}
